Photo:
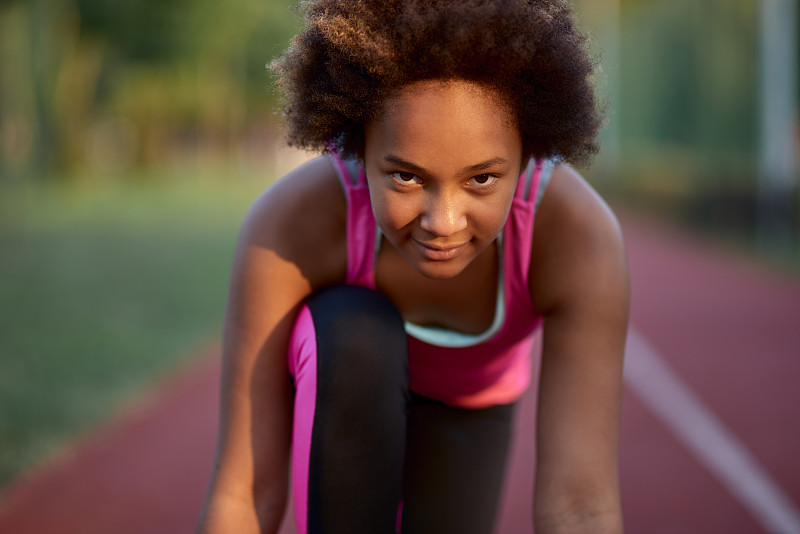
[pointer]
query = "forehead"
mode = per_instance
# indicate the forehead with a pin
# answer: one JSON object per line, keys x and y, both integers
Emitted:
{"x": 452, "y": 99}
{"x": 436, "y": 116}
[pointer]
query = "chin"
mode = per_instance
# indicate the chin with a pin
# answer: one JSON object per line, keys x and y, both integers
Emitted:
{"x": 439, "y": 270}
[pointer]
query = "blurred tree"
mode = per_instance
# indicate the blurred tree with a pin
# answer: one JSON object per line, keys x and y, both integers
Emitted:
{"x": 16, "y": 101}
{"x": 44, "y": 60}
{"x": 689, "y": 76}
{"x": 144, "y": 30}
{"x": 167, "y": 70}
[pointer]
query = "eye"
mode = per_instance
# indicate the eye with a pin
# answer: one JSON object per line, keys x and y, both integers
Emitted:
{"x": 405, "y": 178}
{"x": 483, "y": 180}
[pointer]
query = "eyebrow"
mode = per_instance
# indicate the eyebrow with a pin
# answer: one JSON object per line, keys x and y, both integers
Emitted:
{"x": 396, "y": 160}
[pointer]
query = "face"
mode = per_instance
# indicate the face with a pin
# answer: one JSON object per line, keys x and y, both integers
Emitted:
{"x": 442, "y": 163}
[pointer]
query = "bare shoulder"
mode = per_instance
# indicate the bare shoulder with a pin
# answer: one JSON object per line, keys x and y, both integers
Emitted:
{"x": 302, "y": 219}
{"x": 578, "y": 249}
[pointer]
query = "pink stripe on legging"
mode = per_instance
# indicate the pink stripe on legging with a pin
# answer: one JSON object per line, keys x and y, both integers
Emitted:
{"x": 303, "y": 367}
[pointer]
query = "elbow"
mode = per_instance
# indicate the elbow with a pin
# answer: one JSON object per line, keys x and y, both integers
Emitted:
{"x": 270, "y": 505}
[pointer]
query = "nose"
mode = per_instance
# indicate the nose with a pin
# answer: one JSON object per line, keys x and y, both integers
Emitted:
{"x": 444, "y": 215}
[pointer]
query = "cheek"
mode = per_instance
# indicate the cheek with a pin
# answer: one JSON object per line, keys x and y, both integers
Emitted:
{"x": 392, "y": 212}
{"x": 491, "y": 216}
{"x": 487, "y": 226}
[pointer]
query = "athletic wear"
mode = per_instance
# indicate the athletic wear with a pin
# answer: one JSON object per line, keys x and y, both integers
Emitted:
{"x": 347, "y": 355}
{"x": 460, "y": 370}
{"x": 368, "y": 455}
{"x": 400, "y": 427}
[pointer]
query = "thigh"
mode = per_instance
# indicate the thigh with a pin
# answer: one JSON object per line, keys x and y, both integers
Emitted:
{"x": 455, "y": 462}
{"x": 349, "y": 362}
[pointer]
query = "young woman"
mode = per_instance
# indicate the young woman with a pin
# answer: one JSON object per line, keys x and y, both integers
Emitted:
{"x": 384, "y": 295}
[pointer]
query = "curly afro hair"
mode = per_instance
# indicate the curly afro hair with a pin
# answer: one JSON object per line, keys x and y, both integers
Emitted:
{"x": 354, "y": 54}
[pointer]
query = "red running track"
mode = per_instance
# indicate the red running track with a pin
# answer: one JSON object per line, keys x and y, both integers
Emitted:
{"x": 716, "y": 453}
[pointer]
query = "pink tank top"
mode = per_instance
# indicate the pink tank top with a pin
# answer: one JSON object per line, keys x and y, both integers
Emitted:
{"x": 458, "y": 369}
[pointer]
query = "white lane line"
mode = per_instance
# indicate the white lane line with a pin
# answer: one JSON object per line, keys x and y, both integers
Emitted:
{"x": 706, "y": 436}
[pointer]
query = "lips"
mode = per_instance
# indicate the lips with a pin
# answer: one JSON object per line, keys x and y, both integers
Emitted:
{"x": 436, "y": 252}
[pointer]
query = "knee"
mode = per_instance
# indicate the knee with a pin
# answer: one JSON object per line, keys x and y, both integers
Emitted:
{"x": 360, "y": 338}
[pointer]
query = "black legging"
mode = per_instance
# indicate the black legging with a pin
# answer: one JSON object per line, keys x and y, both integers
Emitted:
{"x": 375, "y": 445}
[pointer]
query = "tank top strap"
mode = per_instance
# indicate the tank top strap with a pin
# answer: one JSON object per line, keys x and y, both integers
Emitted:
{"x": 518, "y": 233}
{"x": 361, "y": 227}
{"x": 545, "y": 173}
{"x": 526, "y": 180}
{"x": 534, "y": 179}
{"x": 350, "y": 172}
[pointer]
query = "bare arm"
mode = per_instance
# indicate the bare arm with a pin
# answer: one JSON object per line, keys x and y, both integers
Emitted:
{"x": 287, "y": 248}
{"x": 580, "y": 282}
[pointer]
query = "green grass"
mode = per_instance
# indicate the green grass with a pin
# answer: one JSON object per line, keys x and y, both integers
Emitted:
{"x": 104, "y": 289}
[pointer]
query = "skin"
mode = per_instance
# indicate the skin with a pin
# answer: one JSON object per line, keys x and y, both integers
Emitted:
{"x": 442, "y": 163}
{"x": 441, "y": 191}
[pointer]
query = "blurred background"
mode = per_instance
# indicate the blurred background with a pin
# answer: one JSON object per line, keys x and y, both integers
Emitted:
{"x": 133, "y": 136}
